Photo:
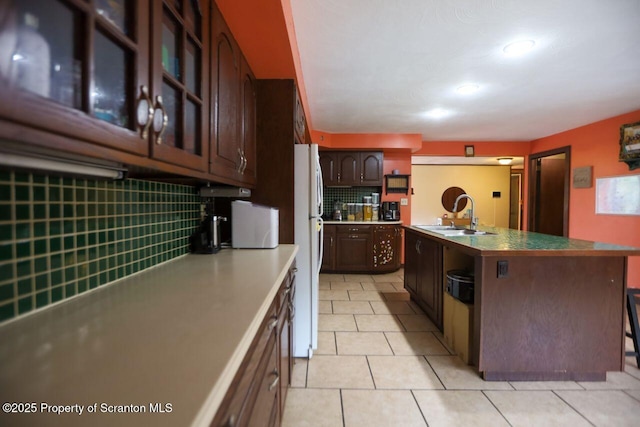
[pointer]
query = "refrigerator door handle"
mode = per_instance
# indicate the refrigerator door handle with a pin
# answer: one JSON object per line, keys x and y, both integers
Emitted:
{"x": 320, "y": 186}
{"x": 321, "y": 248}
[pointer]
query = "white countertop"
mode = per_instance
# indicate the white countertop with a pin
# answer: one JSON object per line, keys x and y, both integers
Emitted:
{"x": 175, "y": 334}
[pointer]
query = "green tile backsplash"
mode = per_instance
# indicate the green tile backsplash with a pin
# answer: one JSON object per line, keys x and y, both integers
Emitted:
{"x": 345, "y": 195}
{"x": 60, "y": 237}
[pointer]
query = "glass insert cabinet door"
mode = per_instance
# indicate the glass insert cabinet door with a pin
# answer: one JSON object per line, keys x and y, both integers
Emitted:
{"x": 61, "y": 57}
{"x": 180, "y": 45}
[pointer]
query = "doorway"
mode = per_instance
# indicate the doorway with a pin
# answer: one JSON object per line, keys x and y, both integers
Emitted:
{"x": 515, "y": 200}
{"x": 549, "y": 175}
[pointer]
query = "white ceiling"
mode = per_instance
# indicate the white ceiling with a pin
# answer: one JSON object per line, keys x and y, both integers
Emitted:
{"x": 375, "y": 66}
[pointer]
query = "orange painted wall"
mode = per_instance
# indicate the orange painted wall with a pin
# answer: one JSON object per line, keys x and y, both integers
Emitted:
{"x": 481, "y": 148}
{"x": 597, "y": 145}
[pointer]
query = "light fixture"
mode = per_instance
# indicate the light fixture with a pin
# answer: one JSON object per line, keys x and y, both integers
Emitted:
{"x": 467, "y": 89}
{"x": 68, "y": 167}
{"x": 518, "y": 48}
{"x": 438, "y": 113}
{"x": 505, "y": 160}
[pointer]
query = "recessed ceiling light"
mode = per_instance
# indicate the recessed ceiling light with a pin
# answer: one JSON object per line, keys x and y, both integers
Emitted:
{"x": 518, "y": 48}
{"x": 438, "y": 113}
{"x": 467, "y": 89}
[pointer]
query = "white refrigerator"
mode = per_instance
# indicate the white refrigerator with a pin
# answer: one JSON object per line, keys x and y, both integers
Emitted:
{"x": 308, "y": 234}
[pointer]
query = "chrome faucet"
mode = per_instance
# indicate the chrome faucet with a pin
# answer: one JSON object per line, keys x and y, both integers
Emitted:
{"x": 474, "y": 220}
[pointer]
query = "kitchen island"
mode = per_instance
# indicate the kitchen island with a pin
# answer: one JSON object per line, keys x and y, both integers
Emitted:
{"x": 544, "y": 307}
{"x": 160, "y": 348}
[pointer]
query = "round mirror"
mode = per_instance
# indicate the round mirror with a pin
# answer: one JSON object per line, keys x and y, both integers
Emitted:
{"x": 449, "y": 198}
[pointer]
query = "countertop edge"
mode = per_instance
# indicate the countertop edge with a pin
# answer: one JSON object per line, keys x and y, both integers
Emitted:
{"x": 212, "y": 403}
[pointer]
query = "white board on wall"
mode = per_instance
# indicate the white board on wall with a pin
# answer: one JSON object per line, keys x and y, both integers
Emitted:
{"x": 618, "y": 195}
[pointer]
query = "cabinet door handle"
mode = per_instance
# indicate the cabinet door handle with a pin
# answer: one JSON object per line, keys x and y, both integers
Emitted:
{"x": 362, "y": 177}
{"x": 144, "y": 112}
{"x": 275, "y": 382}
{"x": 231, "y": 421}
{"x": 239, "y": 169}
{"x": 160, "y": 119}
{"x": 418, "y": 244}
{"x": 338, "y": 177}
{"x": 292, "y": 309}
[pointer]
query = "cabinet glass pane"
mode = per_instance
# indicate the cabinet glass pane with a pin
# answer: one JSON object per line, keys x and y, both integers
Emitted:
{"x": 115, "y": 11}
{"x": 192, "y": 68}
{"x": 192, "y": 129}
{"x": 192, "y": 17}
{"x": 173, "y": 106}
{"x": 112, "y": 68}
{"x": 40, "y": 50}
{"x": 170, "y": 46}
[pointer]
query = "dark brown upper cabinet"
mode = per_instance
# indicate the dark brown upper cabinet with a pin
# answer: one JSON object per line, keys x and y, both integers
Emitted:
{"x": 125, "y": 75}
{"x": 233, "y": 104}
{"x": 351, "y": 168}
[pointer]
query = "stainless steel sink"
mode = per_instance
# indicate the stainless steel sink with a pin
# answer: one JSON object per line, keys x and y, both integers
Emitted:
{"x": 452, "y": 231}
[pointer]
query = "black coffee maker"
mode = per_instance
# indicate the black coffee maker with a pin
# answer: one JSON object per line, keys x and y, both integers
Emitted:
{"x": 206, "y": 239}
{"x": 390, "y": 211}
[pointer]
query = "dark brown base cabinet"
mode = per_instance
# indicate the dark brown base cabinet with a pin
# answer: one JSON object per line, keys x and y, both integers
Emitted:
{"x": 423, "y": 274}
{"x": 257, "y": 394}
{"x": 356, "y": 248}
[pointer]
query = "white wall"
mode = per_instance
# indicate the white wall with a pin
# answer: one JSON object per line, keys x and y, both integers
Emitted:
{"x": 430, "y": 181}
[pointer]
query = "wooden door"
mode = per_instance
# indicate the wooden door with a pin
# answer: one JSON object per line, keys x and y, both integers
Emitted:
{"x": 248, "y": 147}
{"x": 329, "y": 165}
{"x": 348, "y": 168}
{"x": 549, "y": 177}
{"x": 411, "y": 262}
{"x": 371, "y": 169}
{"x": 225, "y": 153}
{"x": 430, "y": 280}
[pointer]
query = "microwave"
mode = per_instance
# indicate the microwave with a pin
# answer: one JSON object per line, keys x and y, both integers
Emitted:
{"x": 253, "y": 226}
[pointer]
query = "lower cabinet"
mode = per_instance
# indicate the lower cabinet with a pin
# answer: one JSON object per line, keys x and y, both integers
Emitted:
{"x": 361, "y": 248}
{"x": 423, "y": 274}
{"x": 257, "y": 393}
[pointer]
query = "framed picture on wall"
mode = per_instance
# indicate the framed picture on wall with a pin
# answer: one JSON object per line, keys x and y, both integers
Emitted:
{"x": 469, "y": 151}
{"x": 630, "y": 145}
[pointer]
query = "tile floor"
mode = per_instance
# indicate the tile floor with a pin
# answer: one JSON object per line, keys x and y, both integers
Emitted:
{"x": 381, "y": 362}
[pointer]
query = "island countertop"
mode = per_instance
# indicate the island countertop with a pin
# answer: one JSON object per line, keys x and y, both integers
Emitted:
{"x": 505, "y": 241}
{"x": 172, "y": 335}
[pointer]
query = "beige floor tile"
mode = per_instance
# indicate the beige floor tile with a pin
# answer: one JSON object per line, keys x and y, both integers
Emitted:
{"x": 352, "y": 307}
{"x": 634, "y": 393}
{"x": 332, "y": 295}
{"x": 417, "y": 322}
{"x": 455, "y": 374}
{"x": 378, "y": 323}
{"x": 339, "y": 372}
{"x": 325, "y": 307}
{"x": 331, "y": 278}
{"x": 399, "y": 286}
{"x": 363, "y": 278}
{"x": 299, "y": 373}
{"x": 631, "y": 368}
{"x": 380, "y": 408}
{"x": 326, "y": 343}
{"x": 415, "y": 343}
{"x": 324, "y": 286}
{"x": 455, "y": 408}
{"x": 391, "y": 277}
{"x": 396, "y": 296}
{"x": 362, "y": 343}
{"x": 535, "y": 408}
{"x": 615, "y": 381}
{"x": 336, "y": 322}
{"x": 545, "y": 385}
{"x": 391, "y": 307}
{"x": 312, "y": 408}
{"x": 346, "y": 286}
{"x": 402, "y": 373}
{"x": 440, "y": 337}
{"x": 379, "y": 286}
{"x": 365, "y": 296}
{"x": 604, "y": 407}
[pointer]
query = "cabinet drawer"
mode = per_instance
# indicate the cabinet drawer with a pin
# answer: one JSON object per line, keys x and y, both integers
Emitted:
{"x": 237, "y": 405}
{"x": 354, "y": 229}
{"x": 267, "y": 387}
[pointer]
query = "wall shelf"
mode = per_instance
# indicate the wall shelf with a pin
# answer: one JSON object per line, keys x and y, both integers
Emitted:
{"x": 396, "y": 184}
